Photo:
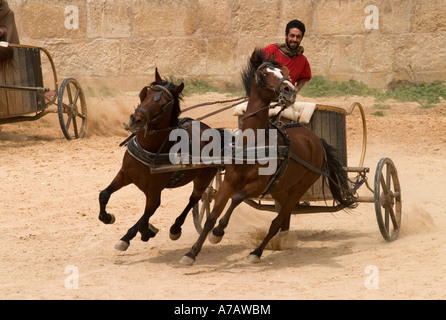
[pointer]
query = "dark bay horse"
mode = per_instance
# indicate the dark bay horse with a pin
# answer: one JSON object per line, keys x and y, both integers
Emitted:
{"x": 265, "y": 82}
{"x": 153, "y": 119}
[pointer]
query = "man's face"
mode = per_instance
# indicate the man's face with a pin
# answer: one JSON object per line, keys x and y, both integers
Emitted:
{"x": 294, "y": 38}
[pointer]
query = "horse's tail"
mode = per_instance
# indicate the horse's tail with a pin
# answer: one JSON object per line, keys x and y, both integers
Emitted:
{"x": 338, "y": 181}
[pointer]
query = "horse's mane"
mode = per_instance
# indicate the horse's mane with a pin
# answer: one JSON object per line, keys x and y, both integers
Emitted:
{"x": 176, "y": 111}
{"x": 249, "y": 70}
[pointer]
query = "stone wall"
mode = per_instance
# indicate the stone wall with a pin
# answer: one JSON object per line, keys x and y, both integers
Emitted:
{"x": 119, "y": 43}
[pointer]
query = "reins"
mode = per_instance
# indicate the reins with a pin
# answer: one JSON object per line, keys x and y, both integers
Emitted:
{"x": 214, "y": 102}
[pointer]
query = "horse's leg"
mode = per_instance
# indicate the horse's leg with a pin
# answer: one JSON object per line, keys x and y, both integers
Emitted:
{"x": 275, "y": 226}
{"x": 286, "y": 202}
{"x": 175, "y": 229}
{"x": 218, "y": 232}
{"x": 143, "y": 226}
{"x": 222, "y": 198}
{"x": 250, "y": 190}
{"x": 104, "y": 196}
{"x": 201, "y": 182}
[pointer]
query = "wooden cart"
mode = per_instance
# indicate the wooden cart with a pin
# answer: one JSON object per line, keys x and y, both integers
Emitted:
{"x": 23, "y": 96}
{"x": 329, "y": 122}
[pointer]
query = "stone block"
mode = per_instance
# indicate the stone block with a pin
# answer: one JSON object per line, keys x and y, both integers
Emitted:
{"x": 221, "y": 56}
{"x": 181, "y": 57}
{"x": 347, "y": 54}
{"x": 165, "y": 18}
{"x": 379, "y": 52}
{"x": 429, "y": 16}
{"x": 256, "y": 18}
{"x": 100, "y": 58}
{"x": 339, "y": 17}
{"x": 297, "y": 9}
{"x": 214, "y": 18}
{"x": 417, "y": 53}
{"x": 318, "y": 53}
{"x": 394, "y": 16}
{"x": 41, "y": 19}
{"x": 109, "y": 19}
{"x": 138, "y": 56}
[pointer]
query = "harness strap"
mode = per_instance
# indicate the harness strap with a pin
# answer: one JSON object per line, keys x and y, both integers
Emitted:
{"x": 309, "y": 166}
{"x": 274, "y": 180}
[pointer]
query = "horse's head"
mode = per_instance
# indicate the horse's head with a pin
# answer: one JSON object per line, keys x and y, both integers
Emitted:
{"x": 272, "y": 79}
{"x": 159, "y": 101}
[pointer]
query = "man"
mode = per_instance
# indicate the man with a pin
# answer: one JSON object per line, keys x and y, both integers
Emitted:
{"x": 8, "y": 29}
{"x": 290, "y": 54}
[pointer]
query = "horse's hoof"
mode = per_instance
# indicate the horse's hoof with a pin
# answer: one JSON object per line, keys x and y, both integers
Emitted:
{"x": 252, "y": 258}
{"x": 174, "y": 237}
{"x": 122, "y": 245}
{"x": 187, "y": 261}
{"x": 112, "y": 218}
{"x": 214, "y": 239}
{"x": 154, "y": 229}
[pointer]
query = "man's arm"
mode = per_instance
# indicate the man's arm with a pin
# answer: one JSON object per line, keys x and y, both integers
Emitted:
{"x": 299, "y": 84}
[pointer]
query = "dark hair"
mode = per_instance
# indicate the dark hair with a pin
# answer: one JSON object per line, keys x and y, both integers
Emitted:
{"x": 295, "y": 24}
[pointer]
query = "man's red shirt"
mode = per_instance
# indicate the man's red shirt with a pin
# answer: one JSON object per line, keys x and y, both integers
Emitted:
{"x": 299, "y": 66}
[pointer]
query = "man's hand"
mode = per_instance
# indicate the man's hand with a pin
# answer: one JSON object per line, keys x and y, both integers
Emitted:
{"x": 299, "y": 84}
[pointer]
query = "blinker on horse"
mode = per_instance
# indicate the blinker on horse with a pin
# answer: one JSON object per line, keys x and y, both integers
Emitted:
{"x": 150, "y": 124}
{"x": 307, "y": 158}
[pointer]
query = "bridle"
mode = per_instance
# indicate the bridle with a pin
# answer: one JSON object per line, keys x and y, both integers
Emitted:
{"x": 260, "y": 81}
{"x": 161, "y": 90}
{"x": 166, "y": 108}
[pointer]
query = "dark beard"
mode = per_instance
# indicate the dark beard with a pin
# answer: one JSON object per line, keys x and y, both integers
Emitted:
{"x": 289, "y": 45}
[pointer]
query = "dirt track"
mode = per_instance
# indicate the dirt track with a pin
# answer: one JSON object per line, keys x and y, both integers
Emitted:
{"x": 49, "y": 226}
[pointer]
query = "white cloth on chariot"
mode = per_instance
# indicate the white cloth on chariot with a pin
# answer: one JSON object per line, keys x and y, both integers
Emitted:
{"x": 299, "y": 111}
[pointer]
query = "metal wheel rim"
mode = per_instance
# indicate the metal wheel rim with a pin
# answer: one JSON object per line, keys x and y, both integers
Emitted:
{"x": 72, "y": 108}
{"x": 204, "y": 210}
{"x": 387, "y": 199}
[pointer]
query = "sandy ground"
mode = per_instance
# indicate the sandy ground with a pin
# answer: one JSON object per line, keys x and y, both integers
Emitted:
{"x": 54, "y": 247}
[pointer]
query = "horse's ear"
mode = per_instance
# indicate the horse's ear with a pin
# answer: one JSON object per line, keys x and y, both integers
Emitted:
{"x": 254, "y": 57}
{"x": 285, "y": 71}
{"x": 179, "y": 88}
{"x": 272, "y": 57}
{"x": 143, "y": 94}
{"x": 157, "y": 76}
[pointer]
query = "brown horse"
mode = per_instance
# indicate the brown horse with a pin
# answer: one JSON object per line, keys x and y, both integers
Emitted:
{"x": 151, "y": 123}
{"x": 308, "y": 157}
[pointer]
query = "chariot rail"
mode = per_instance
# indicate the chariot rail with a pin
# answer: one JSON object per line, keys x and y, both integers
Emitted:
{"x": 24, "y": 97}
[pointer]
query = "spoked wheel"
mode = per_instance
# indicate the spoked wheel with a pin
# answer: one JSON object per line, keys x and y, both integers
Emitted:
{"x": 203, "y": 208}
{"x": 72, "y": 109}
{"x": 387, "y": 199}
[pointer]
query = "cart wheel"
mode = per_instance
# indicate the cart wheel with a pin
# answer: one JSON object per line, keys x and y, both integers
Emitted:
{"x": 388, "y": 197}
{"x": 72, "y": 109}
{"x": 203, "y": 207}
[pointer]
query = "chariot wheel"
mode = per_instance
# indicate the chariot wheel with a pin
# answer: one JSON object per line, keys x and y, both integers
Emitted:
{"x": 387, "y": 199}
{"x": 72, "y": 109}
{"x": 203, "y": 208}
